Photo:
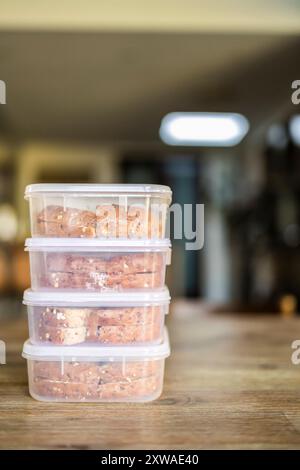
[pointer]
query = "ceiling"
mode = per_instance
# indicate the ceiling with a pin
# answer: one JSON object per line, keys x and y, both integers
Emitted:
{"x": 210, "y": 16}
{"x": 116, "y": 86}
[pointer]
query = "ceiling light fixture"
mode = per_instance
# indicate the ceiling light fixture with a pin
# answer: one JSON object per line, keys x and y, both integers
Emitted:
{"x": 203, "y": 129}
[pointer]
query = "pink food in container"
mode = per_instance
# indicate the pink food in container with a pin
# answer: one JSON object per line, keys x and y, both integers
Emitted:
{"x": 97, "y": 265}
{"x": 93, "y": 374}
{"x": 69, "y": 318}
{"x": 98, "y": 210}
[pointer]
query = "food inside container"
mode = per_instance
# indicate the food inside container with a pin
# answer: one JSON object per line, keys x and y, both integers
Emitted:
{"x": 68, "y": 318}
{"x": 101, "y": 265}
{"x": 93, "y": 374}
{"x": 98, "y": 210}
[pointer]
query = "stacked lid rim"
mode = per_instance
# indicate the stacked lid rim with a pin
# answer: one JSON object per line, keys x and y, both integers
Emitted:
{"x": 95, "y": 299}
{"x": 97, "y": 189}
{"x": 96, "y": 353}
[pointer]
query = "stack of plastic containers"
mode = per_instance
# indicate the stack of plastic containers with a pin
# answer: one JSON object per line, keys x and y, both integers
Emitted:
{"x": 97, "y": 303}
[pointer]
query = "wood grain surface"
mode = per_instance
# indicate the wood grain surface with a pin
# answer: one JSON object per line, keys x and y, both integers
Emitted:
{"x": 229, "y": 383}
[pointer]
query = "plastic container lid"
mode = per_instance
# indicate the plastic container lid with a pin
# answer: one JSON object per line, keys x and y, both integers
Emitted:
{"x": 96, "y": 299}
{"x": 96, "y": 353}
{"x": 98, "y": 189}
{"x": 89, "y": 244}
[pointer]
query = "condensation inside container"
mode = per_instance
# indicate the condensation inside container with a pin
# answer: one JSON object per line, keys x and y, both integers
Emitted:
{"x": 103, "y": 216}
{"x": 106, "y": 325}
{"x": 91, "y": 381}
{"x": 98, "y": 271}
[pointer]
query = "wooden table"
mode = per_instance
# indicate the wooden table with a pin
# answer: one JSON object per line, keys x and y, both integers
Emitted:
{"x": 229, "y": 384}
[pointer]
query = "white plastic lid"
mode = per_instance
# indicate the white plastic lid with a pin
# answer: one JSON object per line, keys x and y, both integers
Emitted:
{"x": 96, "y": 353}
{"x": 98, "y": 189}
{"x": 92, "y": 244}
{"x": 95, "y": 299}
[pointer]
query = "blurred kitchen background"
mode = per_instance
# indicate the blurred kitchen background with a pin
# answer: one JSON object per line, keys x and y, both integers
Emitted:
{"x": 87, "y": 85}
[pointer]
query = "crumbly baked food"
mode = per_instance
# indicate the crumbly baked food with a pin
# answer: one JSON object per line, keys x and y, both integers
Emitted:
{"x": 116, "y": 326}
{"x": 57, "y": 221}
{"x": 132, "y": 271}
{"x": 108, "y": 221}
{"x": 80, "y": 381}
{"x": 132, "y": 222}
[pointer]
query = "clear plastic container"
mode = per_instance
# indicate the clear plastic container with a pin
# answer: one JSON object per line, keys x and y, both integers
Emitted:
{"x": 98, "y": 265}
{"x": 69, "y": 318}
{"x": 98, "y": 210}
{"x": 93, "y": 374}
